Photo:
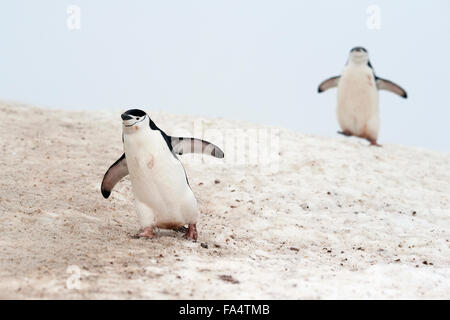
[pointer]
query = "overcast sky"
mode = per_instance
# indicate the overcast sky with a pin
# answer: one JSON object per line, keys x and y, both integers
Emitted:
{"x": 253, "y": 60}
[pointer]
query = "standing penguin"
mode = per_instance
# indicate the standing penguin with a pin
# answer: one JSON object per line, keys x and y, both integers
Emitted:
{"x": 164, "y": 198}
{"x": 357, "y": 96}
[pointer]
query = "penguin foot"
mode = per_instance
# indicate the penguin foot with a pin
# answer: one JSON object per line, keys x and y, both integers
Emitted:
{"x": 374, "y": 143}
{"x": 191, "y": 233}
{"x": 148, "y": 233}
{"x": 345, "y": 133}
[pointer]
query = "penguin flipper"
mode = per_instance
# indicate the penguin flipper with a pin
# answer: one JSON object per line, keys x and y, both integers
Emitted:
{"x": 181, "y": 145}
{"x": 115, "y": 173}
{"x": 328, "y": 84}
{"x": 384, "y": 84}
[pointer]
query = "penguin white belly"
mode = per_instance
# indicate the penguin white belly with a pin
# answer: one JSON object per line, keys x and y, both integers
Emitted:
{"x": 357, "y": 96}
{"x": 163, "y": 196}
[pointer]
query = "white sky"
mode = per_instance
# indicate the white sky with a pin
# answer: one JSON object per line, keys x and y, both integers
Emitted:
{"x": 253, "y": 60}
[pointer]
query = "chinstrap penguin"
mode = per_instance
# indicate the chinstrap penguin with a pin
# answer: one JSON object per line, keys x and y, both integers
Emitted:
{"x": 357, "y": 96}
{"x": 163, "y": 196}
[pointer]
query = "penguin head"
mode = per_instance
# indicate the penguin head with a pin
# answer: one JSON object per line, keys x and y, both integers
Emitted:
{"x": 134, "y": 118}
{"x": 359, "y": 55}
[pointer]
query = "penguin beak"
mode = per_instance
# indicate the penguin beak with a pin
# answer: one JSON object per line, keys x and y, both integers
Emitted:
{"x": 125, "y": 117}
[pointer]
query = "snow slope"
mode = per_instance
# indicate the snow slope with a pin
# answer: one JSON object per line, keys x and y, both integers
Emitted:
{"x": 283, "y": 216}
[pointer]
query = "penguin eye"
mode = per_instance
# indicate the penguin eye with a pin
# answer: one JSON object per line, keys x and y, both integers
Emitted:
{"x": 137, "y": 118}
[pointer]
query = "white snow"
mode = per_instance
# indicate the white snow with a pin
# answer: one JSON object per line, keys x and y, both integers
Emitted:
{"x": 296, "y": 217}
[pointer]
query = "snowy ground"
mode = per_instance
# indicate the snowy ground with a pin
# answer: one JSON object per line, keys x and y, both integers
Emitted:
{"x": 318, "y": 218}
